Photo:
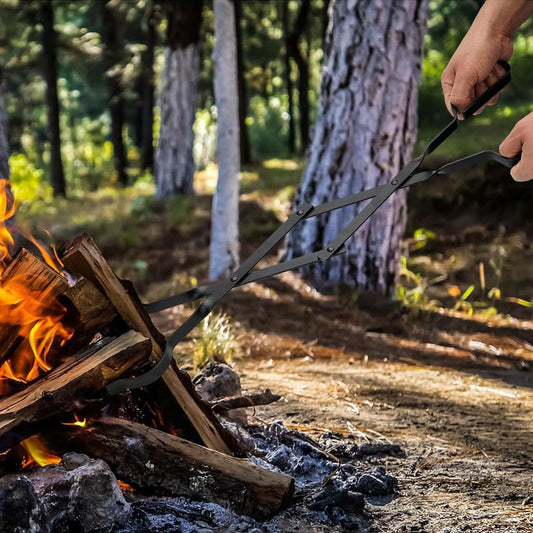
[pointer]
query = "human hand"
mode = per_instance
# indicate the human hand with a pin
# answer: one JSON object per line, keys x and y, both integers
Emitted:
{"x": 474, "y": 66}
{"x": 520, "y": 140}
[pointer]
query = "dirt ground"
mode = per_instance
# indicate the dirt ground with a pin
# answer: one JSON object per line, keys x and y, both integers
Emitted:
{"x": 455, "y": 393}
{"x": 454, "y": 390}
{"x": 466, "y": 438}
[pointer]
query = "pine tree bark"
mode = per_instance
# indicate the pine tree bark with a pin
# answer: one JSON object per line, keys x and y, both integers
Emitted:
{"x": 224, "y": 249}
{"x": 174, "y": 155}
{"x": 244, "y": 140}
{"x": 4, "y": 144}
{"x": 147, "y": 89}
{"x": 364, "y": 134}
{"x": 111, "y": 57}
{"x": 49, "y": 42}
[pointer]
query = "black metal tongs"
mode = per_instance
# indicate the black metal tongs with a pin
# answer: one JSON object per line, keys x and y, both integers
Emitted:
{"x": 214, "y": 292}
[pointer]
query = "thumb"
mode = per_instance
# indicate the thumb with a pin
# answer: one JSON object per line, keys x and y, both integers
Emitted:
{"x": 512, "y": 144}
{"x": 463, "y": 92}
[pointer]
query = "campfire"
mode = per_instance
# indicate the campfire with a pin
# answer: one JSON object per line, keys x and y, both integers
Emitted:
{"x": 69, "y": 327}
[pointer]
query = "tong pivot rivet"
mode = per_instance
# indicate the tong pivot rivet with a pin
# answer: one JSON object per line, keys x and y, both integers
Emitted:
{"x": 300, "y": 212}
{"x": 330, "y": 248}
{"x": 233, "y": 278}
{"x": 394, "y": 182}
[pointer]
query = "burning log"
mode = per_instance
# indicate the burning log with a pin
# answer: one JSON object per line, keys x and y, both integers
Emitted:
{"x": 57, "y": 393}
{"x": 31, "y": 276}
{"x": 82, "y": 257}
{"x": 37, "y": 275}
{"x": 87, "y": 310}
{"x": 159, "y": 463}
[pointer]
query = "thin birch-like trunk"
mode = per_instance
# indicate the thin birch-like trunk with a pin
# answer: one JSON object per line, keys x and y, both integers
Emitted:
{"x": 364, "y": 134}
{"x": 224, "y": 250}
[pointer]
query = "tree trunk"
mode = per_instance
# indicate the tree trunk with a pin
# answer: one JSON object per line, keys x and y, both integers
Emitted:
{"x": 49, "y": 41}
{"x": 246, "y": 157}
{"x": 4, "y": 145}
{"x": 224, "y": 251}
{"x": 147, "y": 89}
{"x": 325, "y": 20}
{"x": 287, "y": 62}
{"x": 111, "y": 56}
{"x": 364, "y": 134}
{"x": 174, "y": 156}
{"x": 293, "y": 48}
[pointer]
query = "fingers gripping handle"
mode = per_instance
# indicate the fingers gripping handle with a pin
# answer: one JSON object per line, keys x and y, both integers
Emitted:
{"x": 510, "y": 162}
{"x": 492, "y": 91}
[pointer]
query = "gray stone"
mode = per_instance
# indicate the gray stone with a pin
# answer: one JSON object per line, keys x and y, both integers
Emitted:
{"x": 73, "y": 460}
{"x": 95, "y": 499}
{"x": 20, "y": 508}
{"x": 79, "y": 495}
{"x": 217, "y": 380}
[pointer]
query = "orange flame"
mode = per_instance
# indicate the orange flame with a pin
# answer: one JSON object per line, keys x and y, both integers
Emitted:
{"x": 35, "y": 318}
{"x": 37, "y": 453}
{"x": 77, "y": 422}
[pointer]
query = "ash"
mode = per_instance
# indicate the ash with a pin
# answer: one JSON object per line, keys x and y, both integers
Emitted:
{"x": 334, "y": 483}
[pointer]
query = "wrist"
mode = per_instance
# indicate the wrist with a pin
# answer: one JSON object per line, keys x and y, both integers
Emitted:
{"x": 501, "y": 18}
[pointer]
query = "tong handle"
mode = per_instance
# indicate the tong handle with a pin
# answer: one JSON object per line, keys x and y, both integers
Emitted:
{"x": 492, "y": 91}
{"x": 510, "y": 162}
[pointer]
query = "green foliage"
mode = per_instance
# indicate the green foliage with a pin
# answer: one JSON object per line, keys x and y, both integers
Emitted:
{"x": 421, "y": 237}
{"x": 479, "y": 307}
{"x": 268, "y": 127}
{"x": 87, "y": 151}
{"x": 27, "y": 181}
{"x": 216, "y": 341}
{"x": 411, "y": 290}
{"x": 142, "y": 207}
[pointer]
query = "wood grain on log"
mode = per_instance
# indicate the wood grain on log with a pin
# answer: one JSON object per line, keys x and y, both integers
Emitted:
{"x": 82, "y": 257}
{"x": 93, "y": 309}
{"x": 77, "y": 378}
{"x": 160, "y": 463}
{"x": 38, "y": 276}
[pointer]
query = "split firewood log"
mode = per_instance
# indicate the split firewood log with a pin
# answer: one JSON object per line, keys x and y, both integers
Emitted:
{"x": 24, "y": 413}
{"x": 155, "y": 462}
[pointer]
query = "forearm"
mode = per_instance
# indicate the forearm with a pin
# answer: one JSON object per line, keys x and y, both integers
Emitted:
{"x": 503, "y": 17}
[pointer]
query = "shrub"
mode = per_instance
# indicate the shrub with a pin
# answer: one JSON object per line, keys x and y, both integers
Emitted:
{"x": 216, "y": 341}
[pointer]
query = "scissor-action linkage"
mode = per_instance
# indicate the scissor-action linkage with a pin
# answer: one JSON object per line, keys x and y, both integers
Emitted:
{"x": 215, "y": 292}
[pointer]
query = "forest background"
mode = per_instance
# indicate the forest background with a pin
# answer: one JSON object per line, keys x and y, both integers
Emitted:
{"x": 110, "y": 190}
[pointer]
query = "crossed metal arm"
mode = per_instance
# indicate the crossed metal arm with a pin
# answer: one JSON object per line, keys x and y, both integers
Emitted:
{"x": 215, "y": 292}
